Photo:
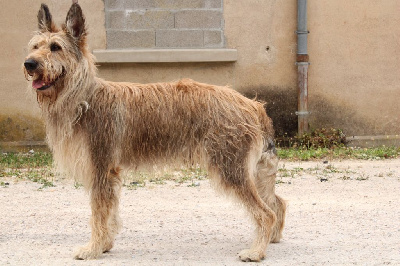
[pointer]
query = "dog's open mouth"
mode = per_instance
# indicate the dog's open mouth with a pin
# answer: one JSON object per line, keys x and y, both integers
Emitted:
{"x": 41, "y": 85}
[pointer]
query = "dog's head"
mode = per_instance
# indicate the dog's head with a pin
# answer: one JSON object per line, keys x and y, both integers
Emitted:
{"x": 55, "y": 53}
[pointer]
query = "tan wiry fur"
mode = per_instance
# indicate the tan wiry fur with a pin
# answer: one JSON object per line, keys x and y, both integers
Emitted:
{"x": 98, "y": 128}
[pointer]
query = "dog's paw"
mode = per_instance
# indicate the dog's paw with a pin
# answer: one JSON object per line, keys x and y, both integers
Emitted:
{"x": 87, "y": 252}
{"x": 276, "y": 237}
{"x": 251, "y": 255}
{"x": 108, "y": 246}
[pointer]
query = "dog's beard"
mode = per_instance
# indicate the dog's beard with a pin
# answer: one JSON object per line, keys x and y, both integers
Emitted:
{"x": 40, "y": 84}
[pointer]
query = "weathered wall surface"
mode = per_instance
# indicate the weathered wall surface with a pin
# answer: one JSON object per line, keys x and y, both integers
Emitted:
{"x": 263, "y": 34}
{"x": 355, "y": 62}
{"x": 354, "y": 49}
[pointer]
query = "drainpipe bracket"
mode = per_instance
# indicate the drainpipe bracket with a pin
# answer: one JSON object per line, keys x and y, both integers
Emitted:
{"x": 302, "y": 113}
{"x": 302, "y": 58}
{"x": 302, "y": 63}
{"x": 302, "y": 32}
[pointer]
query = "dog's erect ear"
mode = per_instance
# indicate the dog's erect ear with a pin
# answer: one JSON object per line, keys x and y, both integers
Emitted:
{"x": 45, "y": 21}
{"x": 75, "y": 22}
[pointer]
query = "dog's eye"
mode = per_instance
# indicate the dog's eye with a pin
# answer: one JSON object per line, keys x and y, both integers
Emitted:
{"x": 35, "y": 47}
{"x": 55, "y": 47}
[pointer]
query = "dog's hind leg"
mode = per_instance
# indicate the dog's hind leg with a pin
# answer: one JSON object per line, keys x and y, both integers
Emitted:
{"x": 105, "y": 221}
{"x": 265, "y": 183}
{"x": 265, "y": 220}
{"x": 236, "y": 175}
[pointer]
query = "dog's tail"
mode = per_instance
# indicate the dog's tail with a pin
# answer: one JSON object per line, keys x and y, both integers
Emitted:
{"x": 267, "y": 167}
{"x": 267, "y": 130}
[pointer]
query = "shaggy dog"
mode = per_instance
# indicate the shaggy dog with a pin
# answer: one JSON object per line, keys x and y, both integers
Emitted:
{"x": 97, "y": 128}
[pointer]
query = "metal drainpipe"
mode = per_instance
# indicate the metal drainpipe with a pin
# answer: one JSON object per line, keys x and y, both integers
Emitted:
{"x": 302, "y": 67}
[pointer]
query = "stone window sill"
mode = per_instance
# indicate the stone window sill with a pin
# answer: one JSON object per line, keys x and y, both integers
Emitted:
{"x": 165, "y": 55}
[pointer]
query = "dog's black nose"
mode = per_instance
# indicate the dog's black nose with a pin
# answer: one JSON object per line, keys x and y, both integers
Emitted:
{"x": 30, "y": 64}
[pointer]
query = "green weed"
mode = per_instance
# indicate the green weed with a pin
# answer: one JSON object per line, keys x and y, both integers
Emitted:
{"x": 362, "y": 177}
{"x": 36, "y": 166}
{"x": 379, "y": 153}
{"x": 25, "y": 160}
{"x": 77, "y": 185}
{"x": 328, "y": 143}
{"x": 135, "y": 184}
{"x": 330, "y": 169}
{"x": 32, "y": 166}
{"x": 4, "y": 184}
{"x": 318, "y": 138}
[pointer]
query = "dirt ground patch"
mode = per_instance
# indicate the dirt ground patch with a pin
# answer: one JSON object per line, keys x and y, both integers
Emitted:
{"x": 340, "y": 213}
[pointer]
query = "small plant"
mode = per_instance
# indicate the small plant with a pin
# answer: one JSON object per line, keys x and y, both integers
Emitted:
{"x": 313, "y": 170}
{"x": 194, "y": 184}
{"x": 135, "y": 185}
{"x": 345, "y": 177}
{"x": 77, "y": 185}
{"x": 45, "y": 184}
{"x": 318, "y": 138}
{"x": 4, "y": 184}
{"x": 284, "y": 172}
{"x": 330, "y": 169}
{"x": 191, "y": 174}
{"x": 134, "y": 180}
{"x": 362, "y": 177}
{"x": 158, "y": 181}
{"x": 40, "y": 176}
{"x": 292, "y": 173}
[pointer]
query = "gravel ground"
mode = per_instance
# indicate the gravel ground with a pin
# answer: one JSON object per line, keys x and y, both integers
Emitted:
{"x": 340, "y": 213}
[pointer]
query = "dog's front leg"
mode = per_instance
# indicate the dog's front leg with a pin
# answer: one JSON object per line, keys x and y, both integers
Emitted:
{"x": 105, "y": 221}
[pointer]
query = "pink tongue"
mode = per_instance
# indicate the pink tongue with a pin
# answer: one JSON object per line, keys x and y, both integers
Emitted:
{"x": 36, "y": 84}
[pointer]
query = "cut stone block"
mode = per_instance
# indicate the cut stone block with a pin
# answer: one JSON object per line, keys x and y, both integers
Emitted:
{"x": 150, "y": 20}
{"x": 129, "y": 39}
{"x": 179, "y": 38}
{"x": 198, "y": 19}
